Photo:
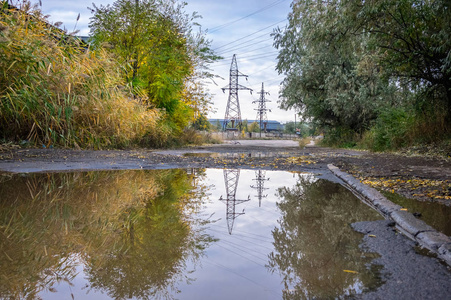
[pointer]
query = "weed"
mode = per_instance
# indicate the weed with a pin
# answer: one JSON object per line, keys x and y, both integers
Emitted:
{"x": 54, "y": 90}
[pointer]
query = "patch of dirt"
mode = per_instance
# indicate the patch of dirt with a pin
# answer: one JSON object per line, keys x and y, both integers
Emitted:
{"x": 422, "y": 178}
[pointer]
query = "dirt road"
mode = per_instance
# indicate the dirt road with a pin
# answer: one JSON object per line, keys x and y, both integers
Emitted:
{"x": 422, "y": 178}
{"x": 406, "y": 274}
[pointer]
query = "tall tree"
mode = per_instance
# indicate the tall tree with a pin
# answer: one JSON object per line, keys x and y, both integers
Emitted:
{"x": 326, "y": 78}
{"x": 161, "y": 54}
{"x": 413, "y": 43}
{"x": 347, "y": 61}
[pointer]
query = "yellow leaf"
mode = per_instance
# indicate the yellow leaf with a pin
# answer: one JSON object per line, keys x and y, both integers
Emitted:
{"x": 350, "y": 271}
{"x": 371, "y": 235}
{"x": 403, "y": 209}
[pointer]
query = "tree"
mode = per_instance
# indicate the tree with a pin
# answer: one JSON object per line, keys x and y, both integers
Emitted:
{"x": 322, "y": 63}
{"x": 254, "y": 127}
{"x": 349, "y": 62}
{"x": 202, "y": 123}
{"x": 412, "y": 40}
{"x": 160, "y": 53}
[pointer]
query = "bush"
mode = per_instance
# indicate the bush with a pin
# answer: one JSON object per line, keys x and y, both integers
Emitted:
{"x": 54, "y": 91}
{"x": 398, "y": 128}
{"x": 340, "y": 137}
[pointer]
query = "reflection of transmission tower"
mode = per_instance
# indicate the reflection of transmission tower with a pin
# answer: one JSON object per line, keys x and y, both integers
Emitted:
{"x": 233, "y": 112}
{"x": 231, "y": 182}
{"x": 260, "y": 178}
{"x": 261, "y": 110}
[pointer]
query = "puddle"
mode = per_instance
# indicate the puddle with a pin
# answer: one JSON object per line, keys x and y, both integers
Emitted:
{"x": 252, "y": 154}
{"x": 202, "y": 154}
{"x": 434, "y": 214}
{"x": 188, "y": 234}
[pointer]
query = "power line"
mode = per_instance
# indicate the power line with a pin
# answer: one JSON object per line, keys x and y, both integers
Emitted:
{"x": 266, "y": 34}
{"x": 270, "y": 66}
{"x": 252, "y": 55}
{"x": 263, "y": 56}
{"x": 237, "y": 40}
{"x": 234, "y": 50}
{"x": 217, "y": 28}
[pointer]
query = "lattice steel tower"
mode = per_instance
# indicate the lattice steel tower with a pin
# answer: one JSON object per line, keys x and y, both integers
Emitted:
{"x": 233, "y": 112}
{"x": 261, "y": 110}
{"x": 231, "y": 178}
{"x": 260, "y": 178}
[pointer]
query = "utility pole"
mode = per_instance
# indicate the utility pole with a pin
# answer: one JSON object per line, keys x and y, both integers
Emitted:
{"x": 233, "y": 112}
{"x": 231, "y": 178}
{"x": 260, "y": 178}
{"x": 261, "y": 110}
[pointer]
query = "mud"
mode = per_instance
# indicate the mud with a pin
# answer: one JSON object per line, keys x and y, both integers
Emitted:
{"x": 250, "y": 154}
{"x": 407, "y": 274}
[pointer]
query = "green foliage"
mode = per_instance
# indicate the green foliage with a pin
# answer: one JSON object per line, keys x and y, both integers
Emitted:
{"x": 201, "y": 123}
{"x": 254, "y": 127}
{"x": 153, "y": 40}
{"x": 324, "y": 77}
{"x": 348, "y": 64}
{"x": 218, "y": 126}
{"x": 340, "y": 137}
{"x": 391, "y": 129}
{"x": 304, "y": 129}
{"x": 399, "y": 128}
{"x": 412, "y": 39}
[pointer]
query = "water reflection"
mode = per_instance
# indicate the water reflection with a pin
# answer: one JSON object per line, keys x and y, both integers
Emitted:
{"x": 133, "y": 231}
{"x": 231, "y": 179}
{"x": 260, "y": 178}
{"x": 314, "y": 243}
{"x": 150, "y": 234}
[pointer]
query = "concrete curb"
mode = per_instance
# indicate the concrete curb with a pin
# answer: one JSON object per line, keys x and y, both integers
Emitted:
{"x": 412, "y": 227}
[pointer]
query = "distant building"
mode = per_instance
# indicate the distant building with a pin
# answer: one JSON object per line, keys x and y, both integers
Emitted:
{"x": 271, "y": 125}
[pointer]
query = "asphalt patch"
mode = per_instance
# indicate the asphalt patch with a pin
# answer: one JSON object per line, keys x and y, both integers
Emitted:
{"x": 406, "y": 273}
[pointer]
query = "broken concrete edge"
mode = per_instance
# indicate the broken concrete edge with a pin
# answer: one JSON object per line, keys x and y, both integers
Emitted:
{"x": 407, "y": 223}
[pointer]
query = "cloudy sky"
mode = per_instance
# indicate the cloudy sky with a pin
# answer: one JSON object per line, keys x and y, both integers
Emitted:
{"x": 240, "y": 27}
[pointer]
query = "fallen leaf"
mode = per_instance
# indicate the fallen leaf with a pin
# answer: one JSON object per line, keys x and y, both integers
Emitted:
{"x": 350, "y": 271}
{"x": 371, "y": 235}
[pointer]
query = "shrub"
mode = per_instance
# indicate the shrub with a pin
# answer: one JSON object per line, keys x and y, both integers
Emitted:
{"x": 56, "y": 91}
{"x": 397, "y": 128}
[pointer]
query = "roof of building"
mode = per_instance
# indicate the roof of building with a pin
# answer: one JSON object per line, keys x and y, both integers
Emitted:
{"x": 270, "y": 124}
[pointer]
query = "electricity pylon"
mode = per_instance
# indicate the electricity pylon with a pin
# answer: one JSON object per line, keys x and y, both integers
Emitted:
{"x": 260, "y": 178}
{"x": 231, "y": 178}
{"x": 261, "y": 110}
{"x": 233, "y": 112}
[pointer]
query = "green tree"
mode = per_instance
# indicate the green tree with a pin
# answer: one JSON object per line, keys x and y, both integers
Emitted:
{"x": 202, "y": 123}
{"x": 325, "y": 78}
{"x": 347, "y": 62}
{"x": 412, "y": 42}
{"x": 218, "y": 126}
{"x": 155, "y": 42}
{"x": 254, "y": 127}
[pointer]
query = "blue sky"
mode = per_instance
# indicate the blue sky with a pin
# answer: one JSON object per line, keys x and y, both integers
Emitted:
{"x": 248, "y": 38}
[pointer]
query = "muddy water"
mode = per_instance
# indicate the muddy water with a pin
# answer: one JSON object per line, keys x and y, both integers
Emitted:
{"x": 180, "y": 234}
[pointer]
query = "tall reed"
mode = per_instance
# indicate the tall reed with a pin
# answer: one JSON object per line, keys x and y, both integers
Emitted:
{"x": 54, "y": 90}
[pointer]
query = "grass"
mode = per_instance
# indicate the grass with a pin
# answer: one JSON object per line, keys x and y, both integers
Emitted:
{"x": 304, "y": 142}
{"x": 55, "y": 91}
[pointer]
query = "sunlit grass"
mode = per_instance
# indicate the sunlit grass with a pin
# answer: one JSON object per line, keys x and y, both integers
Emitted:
{"x": 56, "y": 91}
